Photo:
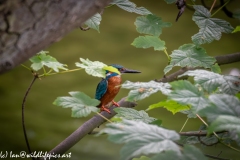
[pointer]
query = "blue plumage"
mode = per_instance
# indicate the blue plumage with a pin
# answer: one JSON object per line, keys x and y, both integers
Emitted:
{"x": 101, "y": 89}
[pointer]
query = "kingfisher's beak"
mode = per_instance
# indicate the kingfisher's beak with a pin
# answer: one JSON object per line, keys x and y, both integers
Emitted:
{"x": 129, "y": 71}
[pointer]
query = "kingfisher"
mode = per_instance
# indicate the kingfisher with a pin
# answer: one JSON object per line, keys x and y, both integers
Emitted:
{"x": 109, "y": 87}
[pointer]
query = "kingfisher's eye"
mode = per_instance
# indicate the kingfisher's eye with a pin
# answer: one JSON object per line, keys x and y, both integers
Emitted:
{"x": 122, "y": 69}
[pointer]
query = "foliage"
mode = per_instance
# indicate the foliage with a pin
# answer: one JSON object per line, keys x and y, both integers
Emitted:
{"x": 42, "y": 59}
{"x": 132, "y": 114}
{"x": 210, "y": 28}
{"x": 141, "y": 138}
{"x": 189, "y": 55}
{"x": 81, "y": 104}
{"x": 94, "y": 22}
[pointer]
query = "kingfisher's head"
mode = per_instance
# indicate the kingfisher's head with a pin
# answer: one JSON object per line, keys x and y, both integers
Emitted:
{"x": 121, "y": 69}
{"x": 117, "y": 70}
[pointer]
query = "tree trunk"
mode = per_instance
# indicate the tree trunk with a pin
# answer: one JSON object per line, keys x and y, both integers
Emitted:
{"x": 29, "y": 26}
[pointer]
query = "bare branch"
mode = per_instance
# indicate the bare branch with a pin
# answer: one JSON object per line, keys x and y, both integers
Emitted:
{"x": 221, "y": 60}
{"x": 197, "y": 133}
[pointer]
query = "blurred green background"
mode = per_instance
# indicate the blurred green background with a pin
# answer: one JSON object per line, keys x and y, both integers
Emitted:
{"x": 47, "y": 125}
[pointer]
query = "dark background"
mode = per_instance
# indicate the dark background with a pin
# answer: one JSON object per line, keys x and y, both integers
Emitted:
{"x": 47, "y": 125}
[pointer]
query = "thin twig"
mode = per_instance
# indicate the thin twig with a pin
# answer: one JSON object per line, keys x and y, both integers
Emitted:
{"x": 35, "y": 76}
{"x": 220, "y": 8}
{"x": 212, "y": 6}
{"x": 197, "y": 133}
{"x": 215, "y": 157}
{"x": 229, "y": 146}
{"x": 184, "y": 124}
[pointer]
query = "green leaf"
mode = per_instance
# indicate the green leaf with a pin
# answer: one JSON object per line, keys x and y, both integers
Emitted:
{"x": 238, "y": 95}
{"x": 157, "y": 122}
{"x": 170, "y": 1}
{"x": 210, "y": 28}
{"x": 81, "y": 104}
{"x": 92, "y": 68}
{"x": 211, "y": 81}
{"x": 42, "y": 59}
{"x": 237, "y": 29}
{"x": 189, "y": 153}
{"x": 187, "y": 94}
{"x": 170, "y": 105}
{"x": 141, "y": 138}
{"x": 226, "y": 122}
{"x": 141, "y": 90}
{"x": 94, "y": 22}
{"x": 132, "y": 114}
{"x": 189, "y": 55}
{"x": 130, "y": 7}
{"x": 150, "y": 24}
{"x": 149, "y": 41}
{"x": 216, "y": 68}
{"x": 222, "y": 104}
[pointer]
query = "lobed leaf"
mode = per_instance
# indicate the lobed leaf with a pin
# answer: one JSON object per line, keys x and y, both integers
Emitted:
{"x": 189, "y": 55}
{"x": 211, "y": 81}
{"x": 226, "y": 122}
{"x": 94, "y": 22}
{"x": 221, "y": 104}
{"x": 42, "y": 59}
{"x": 186, "y": 93}
{"x": 130, "y": 7}
{"x": 141, "y": 90}
{"x": 210, "y": 28}
{"x": 132, "y": 114}
{"x": 150, "y": 24}
{"x": 149, "y": 41}
{"x": 95, "y": 68}
{"x": 141, "y": 138}
{"x": 170, "y": 105}
{"x": 189, "y": 153}
{"x": 81, "y": 104}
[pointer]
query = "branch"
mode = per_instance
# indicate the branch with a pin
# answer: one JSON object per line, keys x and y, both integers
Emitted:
{"x": 35, "y": 76}
{"x": 86, "y": 128}
{"x": 30, "y": 26}
{"x": 221, "y": 60}
{"x": 197, "y": 133}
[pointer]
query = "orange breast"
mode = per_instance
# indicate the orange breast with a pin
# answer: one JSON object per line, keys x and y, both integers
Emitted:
{"x": 112, "y": 90}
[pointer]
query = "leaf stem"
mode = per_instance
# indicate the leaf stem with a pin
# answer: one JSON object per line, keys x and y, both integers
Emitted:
{"x": 212, "y": 6}
{"x": 73, "y": 70}
{"x": 220, "y": 8}
{"x": 26, "y": 67}
{"x": 165, "y": 51}
{"x": 184, "y": 125}
{"x": 44, "y": 70}
{"x": 220, "y": 140}
{"x": 104, "y": 118}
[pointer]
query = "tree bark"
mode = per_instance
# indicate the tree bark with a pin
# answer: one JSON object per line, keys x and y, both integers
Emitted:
{"x": 29, "y": 26}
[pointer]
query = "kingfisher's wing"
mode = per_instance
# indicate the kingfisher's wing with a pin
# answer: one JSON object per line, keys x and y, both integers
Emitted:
{"x": 101, "y": 89}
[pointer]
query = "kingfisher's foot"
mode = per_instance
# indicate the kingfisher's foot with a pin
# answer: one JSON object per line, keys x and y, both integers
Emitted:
{"x": 115, "y": 104}
{"x": 105, "y": 109}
